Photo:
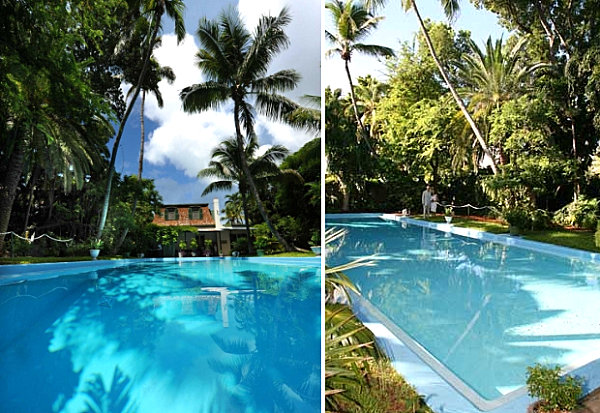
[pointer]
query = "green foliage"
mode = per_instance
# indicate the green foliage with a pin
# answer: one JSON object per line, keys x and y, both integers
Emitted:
{"x": 556, "y": 393}
{"x": 240, "y": 245}
{"x": 517, "y": 217}
{"x": 597, "y": 236}
{"x": 582, "y": 213}
{"x": 182, "y": 245}
{"x": 194, "y": 244}
{"x": 263, "y": 238}
{"x": 293, "y": 229}
{"x": 96, "y": 244}
{"x": 315, "y": 238}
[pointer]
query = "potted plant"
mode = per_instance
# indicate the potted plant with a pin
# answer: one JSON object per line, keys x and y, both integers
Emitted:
{"x": 448, "y": 214}
{"x": 182, "y": 247}
{"x": 260, "y": 244}
{"x": 208, "y": 247}
{"x": 517, "y": 219}
{"x": 95, "y": 247}
{"x": 315, "y": 242}
{"x": 194, "y": 246}
{"x": 556, "y": 394}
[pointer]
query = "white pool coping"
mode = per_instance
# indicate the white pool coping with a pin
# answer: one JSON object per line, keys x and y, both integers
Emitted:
{"x": 16, "y": 273}
{"x": 443, "y": 390}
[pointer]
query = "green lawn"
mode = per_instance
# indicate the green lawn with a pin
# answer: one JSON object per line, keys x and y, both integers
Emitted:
{"x": 39, "y": 260}
{"x": 579, "y": 239}
{"x": 488, "y": 226}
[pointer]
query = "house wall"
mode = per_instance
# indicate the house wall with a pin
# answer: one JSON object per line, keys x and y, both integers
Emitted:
{"x": 184, "y": 219}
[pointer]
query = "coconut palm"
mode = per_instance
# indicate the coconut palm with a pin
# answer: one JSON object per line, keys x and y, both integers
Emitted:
{"x": 153, "y": 10}
{"x": 353, "y": 23}
{"x": 226, "y": 165}
{"x": 234, "y": 209}
{"x": 451, "y": 8}
{"x": 369, "y": 92}
{"x": 235, "y": 64}
{"x": 492, "y": 77}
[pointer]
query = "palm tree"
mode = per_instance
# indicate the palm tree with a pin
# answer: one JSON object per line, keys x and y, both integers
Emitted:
{"x": 353, "y": 22}
{"x": 494, "y": 77}
{"x": 369, "y": 92}
{"x": 450, "y": 7}
{"x": 154, "y": 11}
{"x": 226, "y": 165}
{"x": 234, "y": 209}
{"x": 235, "y": 65}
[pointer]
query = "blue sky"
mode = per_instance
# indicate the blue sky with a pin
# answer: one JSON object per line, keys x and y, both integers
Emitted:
{"x": 178, "y": 145}
{"x": 399, "y": 26}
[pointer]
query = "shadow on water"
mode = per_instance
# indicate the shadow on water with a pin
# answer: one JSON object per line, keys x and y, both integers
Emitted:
{"x": 471, "y": 303}
{"x": 146, "y": 338}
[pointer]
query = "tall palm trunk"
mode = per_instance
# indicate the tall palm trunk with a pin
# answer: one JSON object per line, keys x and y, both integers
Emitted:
{"x": 362, "y": 131}
{"x": 113, "y": 156}
{"x": 140, "y": 169}
{"x": 246, "y": 221}
{"x": 141, "y": 159}
{"x": 250, "y": 181}
{"x": 9, "y": 186}
{"x": 455, "y": 95}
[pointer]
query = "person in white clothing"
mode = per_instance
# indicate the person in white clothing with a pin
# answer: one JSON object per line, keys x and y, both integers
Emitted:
{"x": 426, "y": 201}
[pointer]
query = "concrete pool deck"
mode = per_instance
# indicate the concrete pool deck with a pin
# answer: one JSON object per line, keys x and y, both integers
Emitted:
{"x": 441, "y": 391}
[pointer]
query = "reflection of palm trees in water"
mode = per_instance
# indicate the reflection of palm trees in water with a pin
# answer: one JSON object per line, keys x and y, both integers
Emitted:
{"x": 101, "y": 397}
{"x": 274, "y": 355}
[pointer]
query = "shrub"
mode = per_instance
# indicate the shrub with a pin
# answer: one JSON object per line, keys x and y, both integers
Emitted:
{"x": 517, "y": 217}
{"x": 597, "y": 235}
{"x": 582, "y": 213}
{"x": 262, "y": 234}
{"x": 556, "y": 393}
{"x": 540, "y": 219}
{"x": 240, "y": 245}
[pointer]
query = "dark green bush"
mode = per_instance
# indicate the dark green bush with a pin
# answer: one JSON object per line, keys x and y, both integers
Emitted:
{"x": 556, "y": 393}
{"x": 582, "y": 213}
{"x": 240, "y": 245}
{"x": 540, "y": 219}
{"x": 517, "y": 217}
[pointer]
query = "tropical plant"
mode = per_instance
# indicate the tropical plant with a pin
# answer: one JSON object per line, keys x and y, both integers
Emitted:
{"x": 235, "y": 64}
{"x": 582, "y": 213}
{"x": 517, "y": 217}
{"x": 353, "y": 23}
{"x": 153, "y": 10}
{"x": 226, "y": 165}
{"x": 494, "y": 77}
{"x": 450, "y": 7}
{"x": 96, "y": 244}
{"x": 556, "y": 393}
{"x": 182, "y": 245}
{"x": 194, "y": 244}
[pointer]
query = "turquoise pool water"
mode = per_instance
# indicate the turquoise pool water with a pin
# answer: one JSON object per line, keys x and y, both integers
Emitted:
{"x": 485, "y": 311}
{"x": 179, "y": 336}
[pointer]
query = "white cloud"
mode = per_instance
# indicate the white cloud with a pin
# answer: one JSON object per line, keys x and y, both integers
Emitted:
{"x": 304, "y": 31}
{"x": 187, "y": 140}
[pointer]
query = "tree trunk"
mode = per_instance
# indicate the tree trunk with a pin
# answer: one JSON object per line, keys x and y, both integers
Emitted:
{"x": 119, "y": 243}
{"x": 34, "y": 178}
{"x": 8, "y": 190}
{"x": 252, "y": 185}
{"x": 113, "y": 155}
{"x": 246, "y": 221}
{"x": 141, "y": 159}
{"x": 361, "y": 127}
{"x": 455, "y": 95}
{"x": 576, "y": 186}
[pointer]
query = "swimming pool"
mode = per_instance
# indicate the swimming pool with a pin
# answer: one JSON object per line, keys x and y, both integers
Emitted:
{"x": 194, "y": 335}
{"x": 481, "y": 312}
